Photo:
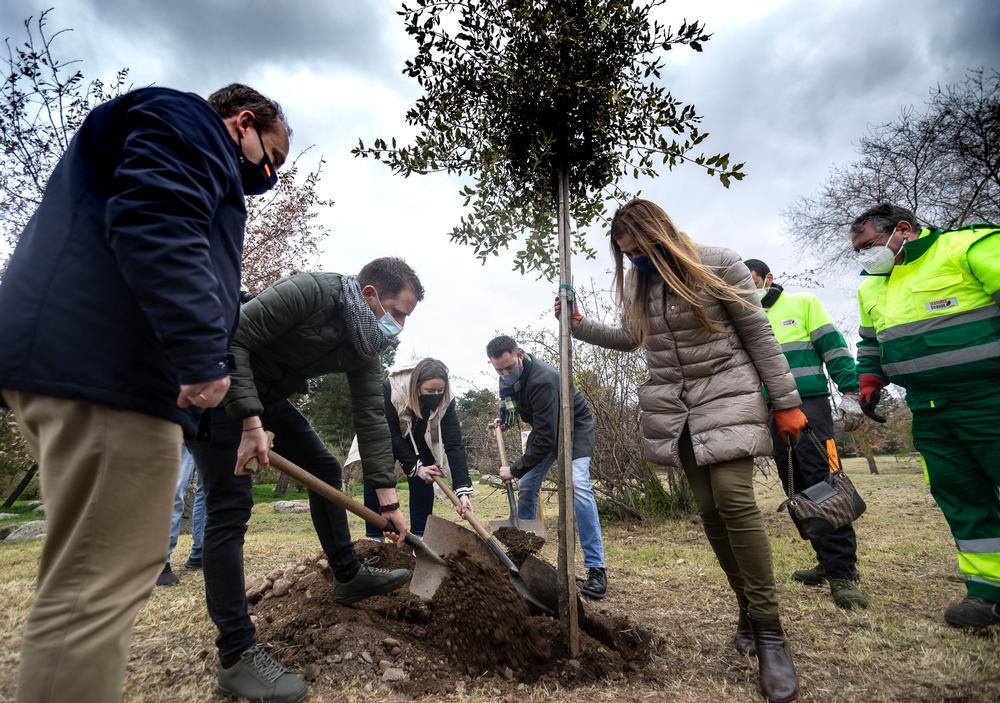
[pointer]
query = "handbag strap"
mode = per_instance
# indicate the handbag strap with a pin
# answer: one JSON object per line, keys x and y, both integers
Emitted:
{"x": 808, "y": 431}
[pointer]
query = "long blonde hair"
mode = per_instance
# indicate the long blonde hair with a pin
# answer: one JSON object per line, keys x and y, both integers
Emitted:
{"x": 676, "y": 259}
{"x": 425, "y": 370}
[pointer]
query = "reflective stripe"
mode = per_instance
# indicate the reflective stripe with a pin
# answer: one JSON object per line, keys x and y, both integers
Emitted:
{"x": 821, "y": 331}
{"x": 868, "y": 351}
{"x": 987, "y": 545}
{"x": 980, "y": 579}
{"x": 808, "y": 371}
{"x": 908, "y": 329}
{"x": 796, "y": 346}
{"x": 979, "y": 352}
{"x": 867, "y": 332}
{"x": 834, "y": 353}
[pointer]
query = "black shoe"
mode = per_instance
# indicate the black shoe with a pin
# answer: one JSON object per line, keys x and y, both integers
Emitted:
{"x": 369, "y": 581}
{"x": 167, "y": 577}
{"x": 743, "y": 639}
{"x": 972, "y": 613}
{"x": 596, "y": 585}
{"x": 193, "y": 564}
{"x": 776, "y": 674}
{"x": 810, "y": 577}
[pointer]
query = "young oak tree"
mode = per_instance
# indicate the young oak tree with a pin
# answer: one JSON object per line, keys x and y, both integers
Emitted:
{"x": 546, "y": 104}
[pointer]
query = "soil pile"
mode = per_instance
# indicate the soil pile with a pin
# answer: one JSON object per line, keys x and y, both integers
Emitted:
{"x": 476, "y": 626}
{"x": 519, "y": 544}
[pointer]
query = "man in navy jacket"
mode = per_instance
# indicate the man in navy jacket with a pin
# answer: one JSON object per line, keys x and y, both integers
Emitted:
{"x": 116, "y": 313}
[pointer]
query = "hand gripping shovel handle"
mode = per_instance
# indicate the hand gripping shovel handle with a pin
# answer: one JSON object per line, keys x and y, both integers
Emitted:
{"x": 300, "y": 475}
{"x": 478, "y": 526}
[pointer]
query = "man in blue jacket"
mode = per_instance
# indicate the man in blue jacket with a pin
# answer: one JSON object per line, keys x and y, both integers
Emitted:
{"x": 116, "y": 314}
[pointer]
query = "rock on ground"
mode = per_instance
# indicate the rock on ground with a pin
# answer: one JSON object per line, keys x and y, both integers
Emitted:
{"x": 29, "y": 530}
{"x": 291, "y": 506}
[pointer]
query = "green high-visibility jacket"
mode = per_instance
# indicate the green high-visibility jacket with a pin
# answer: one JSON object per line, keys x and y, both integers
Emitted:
{"x": 932, "y": 325}
{"x": 809, "y": 339}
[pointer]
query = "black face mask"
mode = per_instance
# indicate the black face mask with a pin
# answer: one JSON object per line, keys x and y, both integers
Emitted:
{"x": 260, "y": 177}
{"x": 429, "y": 403}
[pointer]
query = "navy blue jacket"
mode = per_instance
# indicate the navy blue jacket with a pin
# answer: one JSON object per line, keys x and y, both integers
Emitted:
{"x": 126, "y": 281}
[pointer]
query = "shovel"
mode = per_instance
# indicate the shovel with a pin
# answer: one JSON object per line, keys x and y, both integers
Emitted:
{"x": 445, "y": 537}
{"x": 421, "y": 551}
{"x": 534, "y": 526}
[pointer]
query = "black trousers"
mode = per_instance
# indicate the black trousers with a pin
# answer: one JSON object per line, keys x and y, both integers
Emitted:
{"x": 229, "y": 498}
{"x": 838, "y": 551}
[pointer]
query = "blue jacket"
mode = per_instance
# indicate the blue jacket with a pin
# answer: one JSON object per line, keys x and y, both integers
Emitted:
{"x": 125, "y": 283}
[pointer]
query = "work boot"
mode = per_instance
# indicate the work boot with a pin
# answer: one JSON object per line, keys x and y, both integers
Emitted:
{"x": 972, "y": 613}
{"x": 193, "y": 564}
{"x": 743, "y": 640}
{"x": 775, "y": 671}
{"x": 846, "y": 594}
{"x": 259, "y": 678}
{"x": 369, "y": 581}
{"x": 167, "y": 577}
{"x": 596, "y": 585}
{"x": 810, "y": 577}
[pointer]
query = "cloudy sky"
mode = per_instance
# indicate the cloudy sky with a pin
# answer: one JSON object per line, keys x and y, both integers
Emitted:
{"x": 788, "y": 87}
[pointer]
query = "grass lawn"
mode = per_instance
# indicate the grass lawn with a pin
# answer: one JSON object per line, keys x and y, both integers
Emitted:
{"x": 663, "y": 576}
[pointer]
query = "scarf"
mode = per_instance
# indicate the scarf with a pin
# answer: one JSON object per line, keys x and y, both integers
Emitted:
{"x": 362, "y": 327}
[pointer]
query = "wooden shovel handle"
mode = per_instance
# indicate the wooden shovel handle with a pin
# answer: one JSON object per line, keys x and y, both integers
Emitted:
{"x": 300, "y": 475}
{"x": 498, "y": 433}
{"x": 473, "y": 520}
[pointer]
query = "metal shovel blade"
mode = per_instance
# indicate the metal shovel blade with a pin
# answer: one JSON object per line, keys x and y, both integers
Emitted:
{"x": 535, "y": 527}
{"x": 443, "y": 537}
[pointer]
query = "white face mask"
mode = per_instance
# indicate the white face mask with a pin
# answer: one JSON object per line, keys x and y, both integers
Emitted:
{"x": 878, "y": 259}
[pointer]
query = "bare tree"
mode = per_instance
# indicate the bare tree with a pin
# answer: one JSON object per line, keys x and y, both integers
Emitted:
{"x": 942, "y": 162}
{"x": 43, "y": 100}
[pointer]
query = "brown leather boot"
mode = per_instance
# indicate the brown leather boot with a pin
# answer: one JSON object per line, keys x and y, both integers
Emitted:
{"x": 776, "y": 673}
{"x": 743, "y": 641}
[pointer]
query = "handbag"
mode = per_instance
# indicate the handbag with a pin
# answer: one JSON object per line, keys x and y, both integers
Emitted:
{"x": 826, "y": 506}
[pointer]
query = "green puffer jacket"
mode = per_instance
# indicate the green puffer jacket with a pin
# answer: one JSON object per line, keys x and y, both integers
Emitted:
{"x": 293, "y": 331}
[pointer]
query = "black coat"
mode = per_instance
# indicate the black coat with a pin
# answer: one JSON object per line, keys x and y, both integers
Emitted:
{"x": 125, "y": 283}
{"x": 451, "y": 438}
{"x": 536, "y": 395}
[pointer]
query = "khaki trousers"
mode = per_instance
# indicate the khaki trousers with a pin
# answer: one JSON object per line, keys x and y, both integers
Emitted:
{"x": 107, "y": 480}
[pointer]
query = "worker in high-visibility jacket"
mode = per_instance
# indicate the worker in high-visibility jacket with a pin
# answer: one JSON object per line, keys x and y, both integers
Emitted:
{"x": 930, "y": 322}
{"x": 809, "y": 340}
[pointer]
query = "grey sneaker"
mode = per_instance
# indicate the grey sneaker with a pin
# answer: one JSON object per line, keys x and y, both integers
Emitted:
{"x": 810, "y": 577}
{"x": 369, "y": 581}
{"x": 846, "y": 594}
{"x": 972, "y": 613}
{"x": 260, "y": 679}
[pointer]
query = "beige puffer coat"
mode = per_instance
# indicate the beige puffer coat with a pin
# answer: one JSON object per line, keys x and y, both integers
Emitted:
{"x": 711, "y": 382}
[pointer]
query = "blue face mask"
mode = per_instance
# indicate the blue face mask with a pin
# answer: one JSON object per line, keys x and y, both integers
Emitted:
{"x": 387, "y": 323}
{"x": 643, "y": 263}
{"x": 512, "y": 378}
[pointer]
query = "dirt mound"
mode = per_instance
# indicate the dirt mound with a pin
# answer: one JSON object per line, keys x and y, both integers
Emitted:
{"x": 519, "y": 544}
{"x": 476, "y": 626}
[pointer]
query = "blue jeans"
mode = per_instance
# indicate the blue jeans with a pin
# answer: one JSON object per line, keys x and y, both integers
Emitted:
{"x": 588, "y": 523}
{"x": 197, "y": 510}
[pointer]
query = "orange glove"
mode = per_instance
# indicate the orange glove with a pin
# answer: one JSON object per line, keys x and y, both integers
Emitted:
{"x": 790, "y": 421}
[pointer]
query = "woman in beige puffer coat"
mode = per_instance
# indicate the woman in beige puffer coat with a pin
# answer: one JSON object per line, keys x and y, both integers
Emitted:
{"x": 709, "y": 347}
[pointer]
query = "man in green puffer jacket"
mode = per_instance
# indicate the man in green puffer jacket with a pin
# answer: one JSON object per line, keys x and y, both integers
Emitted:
{"x": 810, "y": 341}
{"x": 304, "y": 326}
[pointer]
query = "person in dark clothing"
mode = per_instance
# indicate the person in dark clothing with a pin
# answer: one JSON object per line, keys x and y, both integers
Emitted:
{"x": 809, "y": 342}
{"x": 529, "y": 390}
{"x": 426, "y": 439}
{"x": 116, "y": 313}
{"x": 304, "y": 326}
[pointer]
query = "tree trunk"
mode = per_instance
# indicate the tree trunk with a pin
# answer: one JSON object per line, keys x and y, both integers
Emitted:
{"x": 281, "y": 487}
{"x": 567, "y": 521}
{"x": 872, "y": 466}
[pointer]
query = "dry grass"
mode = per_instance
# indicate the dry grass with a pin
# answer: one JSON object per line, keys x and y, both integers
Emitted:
{"x": 664, "y": 577}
